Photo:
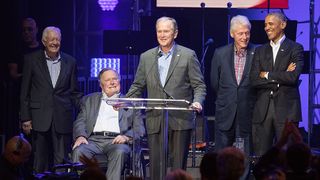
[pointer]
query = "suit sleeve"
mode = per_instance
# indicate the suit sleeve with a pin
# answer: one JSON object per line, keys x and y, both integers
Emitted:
{"x": 139, "y": 83}
{"x": 25, "y": 89}
{"x": 215, "y": 72}
{"x": 286, "y": 77}
{"x": 256, "y": 81}
{"x": 196, "y": 79}
{"x": 79, "y": 125}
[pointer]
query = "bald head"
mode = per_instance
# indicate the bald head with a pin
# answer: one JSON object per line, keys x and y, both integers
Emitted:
{"x": 17, "y": 150}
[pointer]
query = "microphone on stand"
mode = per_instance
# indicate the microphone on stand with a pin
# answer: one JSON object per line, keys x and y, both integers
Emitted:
{"x": 206, "y": 46}
{"x": 160, "y": 54}
{"x": 209, "y": 41}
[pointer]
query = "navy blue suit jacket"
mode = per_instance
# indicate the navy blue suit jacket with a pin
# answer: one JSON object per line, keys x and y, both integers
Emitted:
{"x": 232, "y": 100}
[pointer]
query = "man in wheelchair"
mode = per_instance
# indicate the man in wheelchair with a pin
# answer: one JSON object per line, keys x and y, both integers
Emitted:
{"x": 103, "y": 129}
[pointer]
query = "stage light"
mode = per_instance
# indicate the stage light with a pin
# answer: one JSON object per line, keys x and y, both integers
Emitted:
{"x": 107, "y": 5}
{"x": 99, "y": 63}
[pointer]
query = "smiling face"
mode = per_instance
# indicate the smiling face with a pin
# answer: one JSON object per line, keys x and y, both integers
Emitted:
{"x": 110, "y": 83}
{"x": 274, "y": 27}
{"x": 241, "y": 36}
{"x": 166, "y": 33}
{"x": 52, "y": 42}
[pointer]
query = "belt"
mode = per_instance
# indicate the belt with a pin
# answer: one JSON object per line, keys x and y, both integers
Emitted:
{"x": 106, "y": 133}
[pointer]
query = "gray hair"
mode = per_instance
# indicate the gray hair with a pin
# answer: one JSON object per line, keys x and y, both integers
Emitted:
{"x": 173, "y": 21}
{"x": 239, "y": 20}
{"x": 48, "y": 29}
{"x": 279, "y": 15}
{"x": 108, "y": 69}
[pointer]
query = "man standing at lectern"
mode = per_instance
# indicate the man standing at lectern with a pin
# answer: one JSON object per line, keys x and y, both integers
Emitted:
{"x": 169, "y": 71}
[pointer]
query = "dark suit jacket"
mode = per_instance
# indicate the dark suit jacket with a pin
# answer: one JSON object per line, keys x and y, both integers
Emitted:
{"x": 44, "y": 104}
{"x": 231, "y": 98}
{"x": 87, "y": 118}
{"x": 286, "y": 96}
{"x": 184, "y": 81}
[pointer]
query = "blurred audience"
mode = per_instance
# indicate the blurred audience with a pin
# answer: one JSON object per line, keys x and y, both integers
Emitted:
{"x": 208, "y": 168}
{"x": 178, "y": 174}
{"x": 92, "y": 171}
{"x": 289, "y": 158}
{"x": 16, "y": 153}
{"x": 230, "y": 163}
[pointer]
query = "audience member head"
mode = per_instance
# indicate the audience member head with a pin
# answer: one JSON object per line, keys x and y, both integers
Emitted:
{"x": 298, "y": 157}
{"x": 29, "y": 32}
{"x": 274, "y": 25}
{"x": 93, "y": 173}
{"x": 240, "y": 31}
{"x": 17, "y": 150}
{"x": 178, "y": 174}
{"x": 167, "y": 31}
{"x": 109, "y": 81}
{"x": 230, "y": 163}
{"x": 273, "y": 173}
{"x": 51, "y": 39}
{"x": 208, "y": 168}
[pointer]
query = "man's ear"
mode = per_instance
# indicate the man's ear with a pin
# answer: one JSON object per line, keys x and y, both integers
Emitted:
{"x": 231, "y": 34}
{"x": 283, "y": 25}
{"x": 176, "y": 34}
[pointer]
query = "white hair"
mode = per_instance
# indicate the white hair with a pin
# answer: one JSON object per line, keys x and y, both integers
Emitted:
{"x": 239, "y": 20}
{"x": 48, "y": 29}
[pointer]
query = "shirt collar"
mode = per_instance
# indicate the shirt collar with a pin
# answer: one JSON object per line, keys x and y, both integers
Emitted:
{"x": 105, "y": 96}
{"x": 170, "y": 51}
{"x": 272, "y": 44}
{"x": 52, "y": 59}
{"x": 241, "y": 52}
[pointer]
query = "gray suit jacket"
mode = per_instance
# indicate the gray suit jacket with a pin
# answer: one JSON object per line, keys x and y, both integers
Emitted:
{"x": 184, "y": 81}
{"x": 86, "y": 120}
{"x": 232, "y": 100}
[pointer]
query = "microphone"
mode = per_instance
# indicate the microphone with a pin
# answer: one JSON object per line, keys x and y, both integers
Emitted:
{"x": 159, "y": 54}
{"x": 167, "y": 94}
{"x": 209, "y": 41}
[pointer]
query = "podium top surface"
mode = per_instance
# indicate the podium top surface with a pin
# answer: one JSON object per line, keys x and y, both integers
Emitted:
{"x": 141, "y": 103}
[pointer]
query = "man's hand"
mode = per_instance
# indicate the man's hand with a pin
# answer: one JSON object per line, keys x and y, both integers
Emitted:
{"x": 263, "y": 74}
{"x": 196, "y": 106}
{"x": 120, "y": 139}
{"x": 80, "y": 140}
{"x": 26, "y": 127}
{"x": 291, "y": 67}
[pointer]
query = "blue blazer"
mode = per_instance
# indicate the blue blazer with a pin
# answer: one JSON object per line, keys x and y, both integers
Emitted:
{"x": 231, "y": 99}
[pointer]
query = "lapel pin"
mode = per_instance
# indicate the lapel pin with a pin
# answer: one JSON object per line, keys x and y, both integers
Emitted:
{"x": 282, "y": 50}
